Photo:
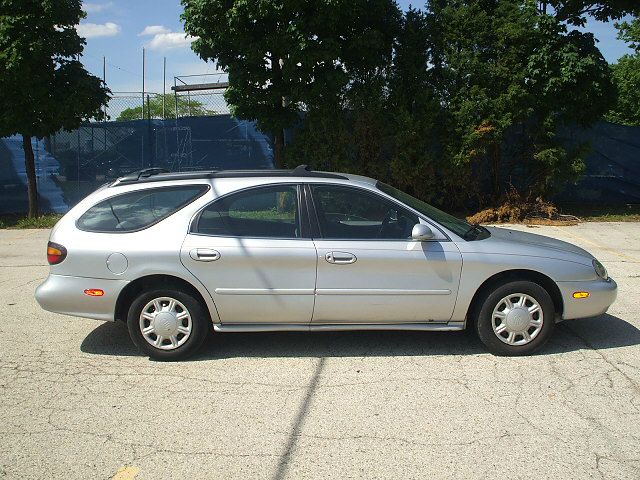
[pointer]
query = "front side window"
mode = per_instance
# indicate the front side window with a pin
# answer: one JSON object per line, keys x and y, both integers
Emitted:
{"x": 459, "y": 227}
{"x": 259, "y": 212}
{"x": 349, "y": 213}
{"x": 138, "y": 210}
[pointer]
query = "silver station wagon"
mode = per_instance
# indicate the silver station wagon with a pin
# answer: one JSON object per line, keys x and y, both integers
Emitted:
{"x": 175, "y": 255}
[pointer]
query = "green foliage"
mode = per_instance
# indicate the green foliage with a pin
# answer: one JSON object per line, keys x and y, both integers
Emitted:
{"x": 21, "y": 222}
{"x": 418, "y": 163}
{"x": 282, "y": 56}
{"x": 626, "y": 75}
{"x": 630, "y": 33}
{"x": 510, "y": 77}
{"x": 475, "y": 95}
{"x": 153, "y": 108}
{"x": 43, "y": 85}
{"x": 575, "y": 11}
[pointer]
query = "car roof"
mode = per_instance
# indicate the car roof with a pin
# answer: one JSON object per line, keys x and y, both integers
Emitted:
{"x": 300, "y": 172}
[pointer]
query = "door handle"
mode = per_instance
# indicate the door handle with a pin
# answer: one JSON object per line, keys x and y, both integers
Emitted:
{"x": 341, "y": 258}
{"x": 204, "y": 254}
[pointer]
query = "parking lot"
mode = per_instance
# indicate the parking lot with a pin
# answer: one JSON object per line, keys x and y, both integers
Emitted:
{"x": 78, "y": 401}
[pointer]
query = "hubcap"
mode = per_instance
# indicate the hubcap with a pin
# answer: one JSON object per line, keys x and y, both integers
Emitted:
{"x": 517, "y": 319}
{"x": 165, "y": 323}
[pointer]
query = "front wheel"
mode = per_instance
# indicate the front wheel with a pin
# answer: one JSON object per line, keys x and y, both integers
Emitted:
{"x": 516, "y": 319}
{"x": 167, "y": 324}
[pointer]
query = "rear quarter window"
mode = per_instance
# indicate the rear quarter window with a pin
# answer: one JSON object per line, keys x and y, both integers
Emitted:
{"x": 138, "y": 210}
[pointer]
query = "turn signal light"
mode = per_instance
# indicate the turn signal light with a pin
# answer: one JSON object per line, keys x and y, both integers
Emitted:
{"x": 56, "y": 253}
{"x": 94, "y": 292}
{"x": 580, "y": 294}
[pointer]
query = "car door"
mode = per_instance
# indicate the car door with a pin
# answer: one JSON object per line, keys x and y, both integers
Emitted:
{"x": 369, "y": 268}
{"x": 250, "y": 251}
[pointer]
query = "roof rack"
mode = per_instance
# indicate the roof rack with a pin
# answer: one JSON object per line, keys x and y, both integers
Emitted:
{"x": 160, "y": 174}
{"x": 144, "y": 173}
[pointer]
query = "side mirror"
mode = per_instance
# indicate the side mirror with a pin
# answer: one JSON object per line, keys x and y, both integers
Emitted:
{"x": 421, "y": 232}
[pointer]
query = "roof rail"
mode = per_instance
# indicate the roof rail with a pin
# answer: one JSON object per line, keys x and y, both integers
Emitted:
{"x": 160, "y": 174}
{"x": 301, "y": 170}
{"x": 144, "y": 173}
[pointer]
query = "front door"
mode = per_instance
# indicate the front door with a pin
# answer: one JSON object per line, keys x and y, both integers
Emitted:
{"x": 369, "y": 269}
{"x": 248, "y": 249}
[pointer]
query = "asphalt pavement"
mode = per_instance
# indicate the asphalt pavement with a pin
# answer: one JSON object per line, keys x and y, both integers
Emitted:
{"x": 78, "y": 401}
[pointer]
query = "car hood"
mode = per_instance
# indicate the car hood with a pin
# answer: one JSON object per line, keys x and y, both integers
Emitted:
{"x": 505, "y": 240}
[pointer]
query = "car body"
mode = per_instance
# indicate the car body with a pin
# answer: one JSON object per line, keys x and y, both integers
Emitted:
{"x": 300, "y": 250}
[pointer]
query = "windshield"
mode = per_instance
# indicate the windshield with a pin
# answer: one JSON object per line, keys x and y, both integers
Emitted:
{"x": 456, "y": 225}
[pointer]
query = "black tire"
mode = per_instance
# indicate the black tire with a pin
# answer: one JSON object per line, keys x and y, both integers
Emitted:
{"x": 484, "y": 326}
{"x": 200, "y": 324}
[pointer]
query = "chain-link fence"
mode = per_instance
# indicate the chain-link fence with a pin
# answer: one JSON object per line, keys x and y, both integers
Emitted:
{"x": 199, "y": 103}
{"x": 124, "y": 106}
{"x": 179, "y": 131}
{"x": 192, "y": 129}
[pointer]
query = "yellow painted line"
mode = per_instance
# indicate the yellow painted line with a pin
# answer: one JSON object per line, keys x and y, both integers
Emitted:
{"x": 597, "y": 245}
{"x": 128, "y": 472}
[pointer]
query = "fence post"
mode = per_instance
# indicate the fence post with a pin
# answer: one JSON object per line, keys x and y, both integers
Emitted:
{"x": 149, "y": 133}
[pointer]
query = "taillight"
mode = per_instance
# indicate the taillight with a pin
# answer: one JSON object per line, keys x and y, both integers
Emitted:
{"x": 56, "y": 253}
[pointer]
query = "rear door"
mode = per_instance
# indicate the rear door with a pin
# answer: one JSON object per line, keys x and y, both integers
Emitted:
{"x": 252, "y": 251}
{"x": 369, "y": 268}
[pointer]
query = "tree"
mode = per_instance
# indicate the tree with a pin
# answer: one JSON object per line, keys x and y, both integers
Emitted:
{"x": 419, "y": 122}
{"x": 286, "y": 55}
{"x": 510, "y": 77}
{"x": 575, "y": 11}
{"x": 153, "y": 109}
{"x": 473, "y": 102}
{"x": 43, "y": 85}
{"x": 630, "y": 33}
{"x": 626, "y": 75}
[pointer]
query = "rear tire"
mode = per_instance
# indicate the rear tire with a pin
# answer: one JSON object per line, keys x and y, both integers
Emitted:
{"x": 167, "y": 324}
{"x": 516, "y": 318}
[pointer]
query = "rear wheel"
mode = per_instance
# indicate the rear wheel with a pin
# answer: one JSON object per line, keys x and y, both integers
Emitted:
{"x": 516, "y": 318}
{"x": 167, "y": 324}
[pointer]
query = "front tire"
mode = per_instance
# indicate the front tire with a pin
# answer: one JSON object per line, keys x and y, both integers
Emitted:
{"x": 516, "y": 318}
{"x": 167, "y": 324}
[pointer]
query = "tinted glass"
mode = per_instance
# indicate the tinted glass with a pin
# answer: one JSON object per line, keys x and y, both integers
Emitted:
{"x": 349, "y": 213}
{"x": 137, "y": 210}
{"x": 456, "y": 225}
{"x": 260, "y": 212}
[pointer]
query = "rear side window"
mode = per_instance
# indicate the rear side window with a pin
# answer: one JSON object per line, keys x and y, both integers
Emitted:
{"x": 259, "y": 212}
{"x": 137, "y": 210}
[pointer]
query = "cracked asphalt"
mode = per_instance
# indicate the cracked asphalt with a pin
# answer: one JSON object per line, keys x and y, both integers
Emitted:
{"x": 78, "y": 401}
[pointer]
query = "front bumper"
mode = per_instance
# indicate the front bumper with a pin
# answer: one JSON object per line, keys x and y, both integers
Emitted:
{"x": 601, "y": 295}
{"x": 65, "y": 294}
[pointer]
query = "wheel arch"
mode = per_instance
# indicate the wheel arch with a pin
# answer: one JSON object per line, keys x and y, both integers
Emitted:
{"x": 148, "y": 282}
{"x": 514, "y": 275}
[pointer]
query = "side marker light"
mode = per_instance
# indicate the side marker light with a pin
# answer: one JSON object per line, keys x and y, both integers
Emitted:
{"x": 94, "y": 292}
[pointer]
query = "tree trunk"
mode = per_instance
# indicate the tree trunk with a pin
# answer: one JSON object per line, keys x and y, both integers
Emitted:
{"x": 278, "y": 149}
{"x": 30, "y": 165}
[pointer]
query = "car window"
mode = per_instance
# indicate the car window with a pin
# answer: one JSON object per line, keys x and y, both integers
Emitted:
{"x": 458, "y": 226}
{"x": 350, "y": 213}
{"x": 259, "y": 212}
{"x": 137, "y": 210}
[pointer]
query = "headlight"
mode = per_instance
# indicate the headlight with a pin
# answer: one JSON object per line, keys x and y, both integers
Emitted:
{"x": 600, "y": 270}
